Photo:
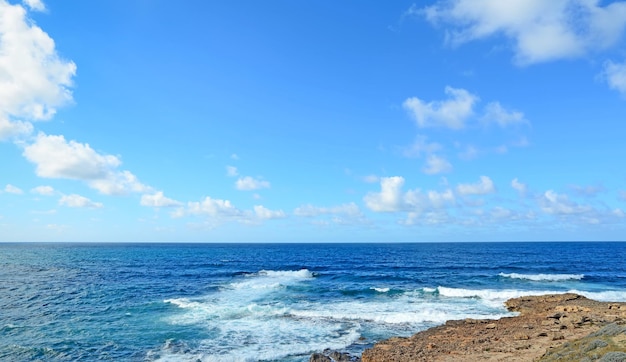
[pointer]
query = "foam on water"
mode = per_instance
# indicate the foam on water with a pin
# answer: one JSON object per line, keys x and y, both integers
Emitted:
{"x": 250, "y": 320}
{"x": 254, "y": 318}
{"x": 491, "y": 297}
{"x": 498, "y": 297}
{"x": 192, "y": 302}
{"x": 543, "y": 277}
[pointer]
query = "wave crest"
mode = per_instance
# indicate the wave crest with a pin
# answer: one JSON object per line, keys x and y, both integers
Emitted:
{"x": 543, "y": 277}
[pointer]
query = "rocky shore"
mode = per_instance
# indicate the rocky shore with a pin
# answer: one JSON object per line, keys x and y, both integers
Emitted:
{"x": 561, "y": 327}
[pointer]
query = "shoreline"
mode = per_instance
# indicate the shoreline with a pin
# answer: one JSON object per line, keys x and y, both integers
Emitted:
{"x": 548, "y": 328}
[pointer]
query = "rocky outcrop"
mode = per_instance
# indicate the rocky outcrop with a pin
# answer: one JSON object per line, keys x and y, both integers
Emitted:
{"x": 333, "y": 356}
{"x": 562, "y": 327}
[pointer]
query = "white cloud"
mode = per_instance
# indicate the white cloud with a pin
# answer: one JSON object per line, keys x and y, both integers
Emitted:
{"x": 390, "y": 198}
{"x": 350, "y": 209}
{"x": 441, "y": 199}
{"x": 34, "y": 80}
{"x": 213, "y": 207}
{"x": 540, "y": 30}
{"x": 421, "y": 146}
{"x": 54, "y": 157}
{"x": 519, "y": 186}
{"x": 158, "y": 200}
{"x": 495, "y": 113}
{"x": 43, "y": 190}
{"x": 615, "y": 75}
{"x": 35, "y": 5}
{"x": 560, "y": 204}
{"x": 264, "y": 213}
{"x": 451, "y": 113}
{"x": 484, "y": 186}
{"x": 119, "y": 183}
{"x": 9, "y": 129}
{"x": 231, "y": 171}
{"x": 13, "y": 190}
{"x": 248, "y": 183}
{"x": 78, "y": 201}
{"x": 57, "y": 158}
{"x": 436, "y": 164}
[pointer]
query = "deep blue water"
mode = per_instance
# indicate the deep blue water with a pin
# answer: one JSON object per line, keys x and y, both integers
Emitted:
{"x": 270, "y": 302}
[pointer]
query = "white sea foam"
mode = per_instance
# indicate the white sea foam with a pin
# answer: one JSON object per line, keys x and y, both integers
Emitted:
{"x": 260, "y": 317}
{"x": 250, "y": 321}
{"x": 604, "y": 296}
{"x": 490, "y": 297}
{"x": 543, "y": 277}
{"x": 291, "y": 274}
{"x": 497, "y": 297}
{"x": 271, "y": 279}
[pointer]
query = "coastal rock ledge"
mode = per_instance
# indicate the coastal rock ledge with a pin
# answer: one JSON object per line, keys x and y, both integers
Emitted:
{"x": 560, "y": 327}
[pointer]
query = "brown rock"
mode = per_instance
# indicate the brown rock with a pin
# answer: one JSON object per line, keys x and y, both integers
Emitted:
{"x": 553, "y": 319}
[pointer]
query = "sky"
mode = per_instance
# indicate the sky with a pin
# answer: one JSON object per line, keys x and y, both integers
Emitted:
{"x": 312, "y": 121}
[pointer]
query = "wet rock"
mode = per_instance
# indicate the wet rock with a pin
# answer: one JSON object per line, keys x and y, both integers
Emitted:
{"x": 333, "y": 356}
{"x": 319, "y": 357}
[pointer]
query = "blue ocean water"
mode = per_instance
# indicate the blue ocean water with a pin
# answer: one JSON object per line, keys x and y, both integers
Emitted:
{"x": 270, "y": 302}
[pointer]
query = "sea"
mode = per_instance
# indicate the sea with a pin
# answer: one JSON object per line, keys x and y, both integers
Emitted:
{"x": 270, "y": 302}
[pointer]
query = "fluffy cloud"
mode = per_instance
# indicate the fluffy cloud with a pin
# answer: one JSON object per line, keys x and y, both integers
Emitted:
{"x": 451, "y": 113}
{"x": 34, "y": 80}
{"x": 248, "y": 183}
{"x": 484, "y": 186}
{"x": 441, "y": 199}
{"x": 35, "y": 5}
{"x": 43, "y": 190}
{"x": 118, "y": 183}
{"x": 421, "y": 146}
{"x": 350, "y": 209}
{"x": 55, "y": 157}
{"x": 389, "y": 199}
{"x": 519, "y": 186}
{"x": 436, "y": 164}
{"x": 13, "y": 190}
{"x": 560, "y": 204}
{"x": 10, "y": 129}
{"x": 213, "y": 207}
{"x": 78, "y": 201}
{"x": 540, "y": 30}
{"x": 158, "y": 200}
{"x": 264, "y": 213}
{"x": 615, "y": 75}
{"x": 455, "y": 113}
{"x": 495, "y": 113}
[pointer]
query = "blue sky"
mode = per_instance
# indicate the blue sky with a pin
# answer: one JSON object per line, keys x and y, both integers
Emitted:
{"x": 289, "y": 121}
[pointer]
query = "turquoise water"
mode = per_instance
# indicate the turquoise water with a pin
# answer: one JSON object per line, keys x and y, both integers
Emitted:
{"x": 270, "y": 302}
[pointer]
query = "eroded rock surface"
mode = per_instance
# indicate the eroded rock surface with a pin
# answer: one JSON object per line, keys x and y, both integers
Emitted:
{"x": 549, "y": 327}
